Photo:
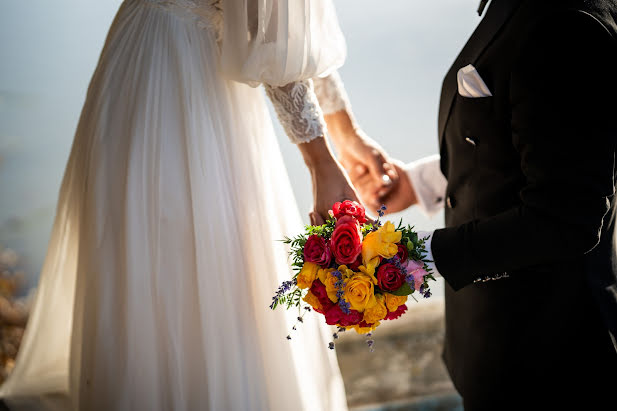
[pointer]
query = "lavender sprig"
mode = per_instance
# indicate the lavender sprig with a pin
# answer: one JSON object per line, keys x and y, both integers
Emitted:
{"x": 282, "y": 290}
{"x": 381, "y": 212}
{"x": 340, "y": 285}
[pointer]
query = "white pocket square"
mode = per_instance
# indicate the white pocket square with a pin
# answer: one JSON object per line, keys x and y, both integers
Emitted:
{"x": 470, "y": 84}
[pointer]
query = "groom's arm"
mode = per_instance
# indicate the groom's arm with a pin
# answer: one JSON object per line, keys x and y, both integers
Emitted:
{"x": 563, "y": 126}
{"x": 428, "y": 183}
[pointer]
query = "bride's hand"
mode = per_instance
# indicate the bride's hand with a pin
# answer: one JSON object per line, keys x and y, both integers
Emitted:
{"x": 330, "y": 185}
{"x": 330, "y": 181}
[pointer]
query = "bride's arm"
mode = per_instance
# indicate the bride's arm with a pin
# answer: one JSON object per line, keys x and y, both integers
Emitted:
{"x": 283, "y": 44}
{"x": 301, "y": 117}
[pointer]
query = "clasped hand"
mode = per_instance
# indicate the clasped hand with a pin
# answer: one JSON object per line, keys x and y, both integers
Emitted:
{"x": 362, "y": 172}
{"x": 378, "y": 179}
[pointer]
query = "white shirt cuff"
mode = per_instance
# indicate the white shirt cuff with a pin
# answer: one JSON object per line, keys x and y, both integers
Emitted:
{"x": 429, "y": 251}
{"x": 429, "y": 183}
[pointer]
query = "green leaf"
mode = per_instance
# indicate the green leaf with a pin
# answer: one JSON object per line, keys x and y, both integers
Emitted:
{"x": 404, "y": 289}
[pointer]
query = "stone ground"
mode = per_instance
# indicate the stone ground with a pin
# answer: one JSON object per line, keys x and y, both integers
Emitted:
{"x": 405, "y": 371}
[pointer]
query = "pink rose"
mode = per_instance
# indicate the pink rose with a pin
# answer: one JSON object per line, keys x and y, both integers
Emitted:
{"x": 349, "y": 208}
{"x": 346, "y": 240}
{"x": 389, "y": 277}
{"x": 416, "y": 269}
{"x": 396, "y": 314}
{"x": 316, "y": 251}
{"x": 412, "y": 265}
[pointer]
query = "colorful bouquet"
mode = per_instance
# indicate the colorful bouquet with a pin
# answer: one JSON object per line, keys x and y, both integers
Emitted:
{"x": 353, "y": 271}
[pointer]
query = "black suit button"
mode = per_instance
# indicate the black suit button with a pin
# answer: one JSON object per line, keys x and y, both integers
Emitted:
{"x": 450, "y": 202}
{"x": 471, "y": 140}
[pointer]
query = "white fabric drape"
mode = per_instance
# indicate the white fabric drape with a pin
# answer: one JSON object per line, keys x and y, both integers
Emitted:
{"x": 165, "y": 249}
{"x": 287, "y": 40}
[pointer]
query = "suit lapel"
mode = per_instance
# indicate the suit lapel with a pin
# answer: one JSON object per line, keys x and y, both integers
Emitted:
{"x": 498, "y": 13}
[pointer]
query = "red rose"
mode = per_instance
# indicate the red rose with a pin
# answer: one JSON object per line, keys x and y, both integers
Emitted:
{"x": 356, "y": 264}
{"x": 353, "y": 318}
{"x": 350, "y": 208}
{"x": 317, "y": 251}
{"x": 402, "y": 254}
{"x": 389, "y": 277}
{"x": 319, "y": 290}
{"x": 336, "y": 316}
{"x": 346, "y": 241}
{"x": 396, "y": 314}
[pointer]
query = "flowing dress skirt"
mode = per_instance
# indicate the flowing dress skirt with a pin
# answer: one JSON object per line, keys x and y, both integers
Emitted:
{"x": 164, "y": 254}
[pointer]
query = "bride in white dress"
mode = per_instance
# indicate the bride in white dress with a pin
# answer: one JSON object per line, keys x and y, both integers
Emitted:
{"x": 164, "y": 256}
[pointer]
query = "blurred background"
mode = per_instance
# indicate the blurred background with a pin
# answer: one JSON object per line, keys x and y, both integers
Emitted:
{"x": 398, "y": 53}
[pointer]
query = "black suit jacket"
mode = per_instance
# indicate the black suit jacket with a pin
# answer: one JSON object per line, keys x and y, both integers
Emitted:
{"x": 531, "y": 184}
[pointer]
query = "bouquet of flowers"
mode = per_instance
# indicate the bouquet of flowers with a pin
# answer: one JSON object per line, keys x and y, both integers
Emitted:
{"x": 355, "y": 272}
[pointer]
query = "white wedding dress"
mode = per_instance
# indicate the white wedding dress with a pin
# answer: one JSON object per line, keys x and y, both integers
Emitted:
{"x": 164, "y": 254}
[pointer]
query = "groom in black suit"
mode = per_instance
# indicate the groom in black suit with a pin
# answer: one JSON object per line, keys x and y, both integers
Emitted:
{"x": 530, "y": 202}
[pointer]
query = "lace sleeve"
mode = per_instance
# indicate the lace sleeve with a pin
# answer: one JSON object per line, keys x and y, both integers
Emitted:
{"x": 298, "y": 110}
{"x": 331, "y": 93}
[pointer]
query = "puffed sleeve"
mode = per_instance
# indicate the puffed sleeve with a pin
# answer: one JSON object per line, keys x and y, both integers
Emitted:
{"x": 278, "y": 42}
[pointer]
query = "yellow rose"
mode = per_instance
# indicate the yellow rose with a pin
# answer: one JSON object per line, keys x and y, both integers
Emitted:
{"x": 381, "y": 243}
{"x": 346, "y": 272}
{"x": 393, "y": 302}
{"x": 360, "y": 292}
{"x": 307, "y": 275}
{"x": 369, "y": 269}
{"x": 313, "y": 301}
{"x": 366, "y": 330}
{"x": 376, "y": 312}
{"x": 329, "y": 280}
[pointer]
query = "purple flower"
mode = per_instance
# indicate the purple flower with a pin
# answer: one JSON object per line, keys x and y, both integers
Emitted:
{"x": 345, "y": 306}
{"x": 282, "y": 290}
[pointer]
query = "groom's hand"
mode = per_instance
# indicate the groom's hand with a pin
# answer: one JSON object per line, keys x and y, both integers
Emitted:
{"x": 399, "y": 197}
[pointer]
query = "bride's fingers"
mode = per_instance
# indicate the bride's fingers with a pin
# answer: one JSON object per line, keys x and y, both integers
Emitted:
{"x": 316, "y": 218}
{"x": 392, "y": 181}
{"x": 362, "y": 180}
{"x": 370, "y": 190}
{"x": 357, "y": 171}
{"x": 391, "y": 172}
